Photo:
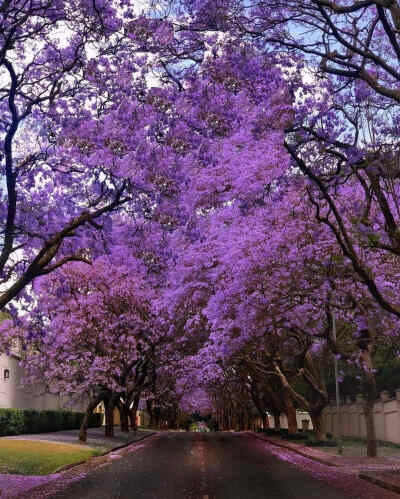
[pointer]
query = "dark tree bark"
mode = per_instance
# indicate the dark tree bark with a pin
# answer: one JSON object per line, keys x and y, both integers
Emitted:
{"x": 369, "y": 391}
{"x": 134, "y": 409}
{"x": 277, "y": 419}
{"x": 292, "y": 420}
{"x": 261, "y": 409}
{"x": 109, "y": 413}
{"x": 316, "y": 394}
{"x": 157, "y": 417}
{"x": 318, "y": 424}
{"x": 370, "y": 427}
{"x": 248, "y": 420}
{"x": 290, "y": 412}
{"x": 241, "y": 422}
{"x": 83, "y": 429}
{"x": 149, "y": 406}
{"x": 123, "y": 415}
{"x": 132, "y": 420}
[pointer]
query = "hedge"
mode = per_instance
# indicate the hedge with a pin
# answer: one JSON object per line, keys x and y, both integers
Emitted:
{"x": 22, "y": 421}
{"x": 284, "y": 433}
{"x": 321, "y": 443}
{"x": 276, "y": 432}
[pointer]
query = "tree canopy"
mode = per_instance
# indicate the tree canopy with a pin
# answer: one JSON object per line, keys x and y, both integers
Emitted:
{"x": 193, "y": 194}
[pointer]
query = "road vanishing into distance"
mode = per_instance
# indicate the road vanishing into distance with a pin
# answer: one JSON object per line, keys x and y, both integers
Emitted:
{"x": 175, "y": 465}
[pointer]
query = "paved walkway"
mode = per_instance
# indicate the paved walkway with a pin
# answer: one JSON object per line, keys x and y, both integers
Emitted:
{"x": 96, "y": 437}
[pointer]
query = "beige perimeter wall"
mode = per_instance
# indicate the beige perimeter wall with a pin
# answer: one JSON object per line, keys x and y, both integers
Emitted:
{"x": 386, "y": 417}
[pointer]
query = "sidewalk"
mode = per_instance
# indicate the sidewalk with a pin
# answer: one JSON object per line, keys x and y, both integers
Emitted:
{"x": 381, "y": 471}
{"x": 114, "y": 448}
{"x": 95, "y": 437}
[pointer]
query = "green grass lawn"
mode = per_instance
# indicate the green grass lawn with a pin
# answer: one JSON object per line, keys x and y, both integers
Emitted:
{"x": 357, "y": 447}
{"x": 26, "y": 457}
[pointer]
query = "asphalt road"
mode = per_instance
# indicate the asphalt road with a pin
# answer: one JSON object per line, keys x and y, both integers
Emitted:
{"x": 209, "y": 466}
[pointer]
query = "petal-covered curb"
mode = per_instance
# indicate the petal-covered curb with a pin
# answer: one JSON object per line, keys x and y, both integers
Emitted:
{"x": 299, "y": 449}
{"x": 109, "y": 451}
{"x": 353, "y": 464}
{"x": 383, "y": 474}
{"x": 387, "y": 480}
{"x": 341, "y": 478}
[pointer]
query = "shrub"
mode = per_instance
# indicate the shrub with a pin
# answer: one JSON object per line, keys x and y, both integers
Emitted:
{"x": 296, "y": 436}
{"x": 49, "y": 421}
{"x": 321, "y": 443}
{"x": 273, "y": 432}
{"x": 18, "y": 422}
{"x": 70, "y": 420}
{"x": 276, "y": 431}
{"x": 77, "y": 420}
{"x": 31, "y": 421}
{"x": 95, "y": 420}
{"x": 11, "y": 422}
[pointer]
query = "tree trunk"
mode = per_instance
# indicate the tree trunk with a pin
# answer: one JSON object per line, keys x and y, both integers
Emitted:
{"x": 109, "y": 410}
{"x": 368, "y": 408}
{"x": 265, "y": 421}
{"x": 134, "y": 409}
{"x": 292, "y": 420}
{"x": 241, "y": 421}
{"x": 318, "y": 424}
{"x": 124, "y": 416}
{"x": 249, "y": 421}
{"x": 225, "y": 421}
{"x": 132, "y": 420}
{"x": 365, "y": 343}
{"x": 316, "y": 394}
{"x": 277, "y": 419}
{"x": 83, "y": 429}
{"x": 255, "y": 395}
{"x": 234, "y": 422}
{"x": 290, "y": 412}
{"x": 149, "y": 406}
{"x": 370, "y": 427}
{"x": 157, "y": 417}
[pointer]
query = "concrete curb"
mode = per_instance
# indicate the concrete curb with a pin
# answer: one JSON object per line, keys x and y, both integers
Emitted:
{"x": 297, "y": 451}
{"x": 150, "y": 434}
{"x": 374, "y": 477}
{"x": 384, "y": 483}
{"x": 70, "y": 466}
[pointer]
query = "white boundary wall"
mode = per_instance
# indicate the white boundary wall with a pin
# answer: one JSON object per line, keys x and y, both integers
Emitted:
{"x": 15, "y": 396}
{"x": 300, "y": 415}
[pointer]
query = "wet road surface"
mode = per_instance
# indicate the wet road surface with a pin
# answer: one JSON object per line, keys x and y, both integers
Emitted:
{"x": 216, "y": 466}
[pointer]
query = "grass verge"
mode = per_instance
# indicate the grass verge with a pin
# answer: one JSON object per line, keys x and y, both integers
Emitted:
{"x": 27, "y": 457}
{"x": 363, "y": 441}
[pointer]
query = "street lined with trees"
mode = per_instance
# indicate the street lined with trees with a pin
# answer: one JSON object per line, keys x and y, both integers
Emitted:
{"x": 194, "y": 197}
